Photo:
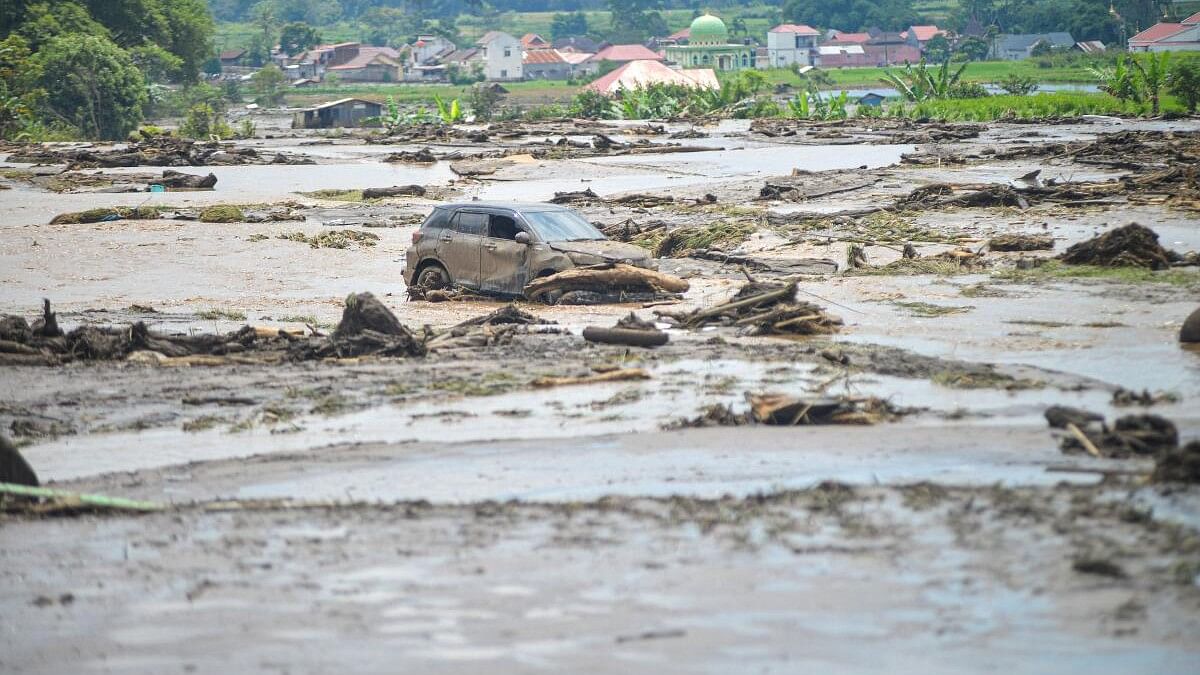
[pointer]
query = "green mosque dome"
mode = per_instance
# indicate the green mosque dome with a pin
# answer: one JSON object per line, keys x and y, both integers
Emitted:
{"x": 708, "y": 30}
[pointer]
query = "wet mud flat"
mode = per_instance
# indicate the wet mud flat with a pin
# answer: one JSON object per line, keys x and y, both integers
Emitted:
{"x": 448, "y": 506}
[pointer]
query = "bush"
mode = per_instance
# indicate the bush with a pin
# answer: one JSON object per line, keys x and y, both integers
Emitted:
{"x": 203, "y": 123}
{"x": 591, "y": 105}
{"x": 968, "y": 90}
{"x": 1018, "y": 85}
{"x": 483, "y": 101}
{"x": 1184, "y": 83}
{"x": 246, "y": 128}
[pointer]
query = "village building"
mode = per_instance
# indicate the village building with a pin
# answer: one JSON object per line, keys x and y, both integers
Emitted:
{"x": 789, "y": 44}
{"x": 617, "y": 54}
{"x": 578, "y": 45}
{"x": 534, "y": 41}
{"x": 429, "y": 49}
{"x": 641, "y": 74}
{"x": 708, "y": 46}
{"x": 546, "y": 64}
{"x": 232, "y": 57}
{"x": 502, "y": 56}
{"x": 843, "y": 56}
{"x": 1019, "y": 47}
{"x": 1169, "y": 37}
{"x": 919, "y": 36}
{"x": 347, "y": 112}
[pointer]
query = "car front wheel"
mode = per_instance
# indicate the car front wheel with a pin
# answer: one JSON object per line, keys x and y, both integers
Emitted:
{"x": 433, "y": 276}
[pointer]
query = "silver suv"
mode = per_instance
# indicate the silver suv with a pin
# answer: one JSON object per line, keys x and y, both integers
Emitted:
{"x": 498, "y": 248}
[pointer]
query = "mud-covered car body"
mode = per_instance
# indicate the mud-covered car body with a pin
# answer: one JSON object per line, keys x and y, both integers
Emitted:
{"x": 497, "y": 248}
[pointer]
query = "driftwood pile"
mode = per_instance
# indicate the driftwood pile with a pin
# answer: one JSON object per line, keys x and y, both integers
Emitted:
{"x": 1142, "y": 435}
{"x": 761, "y": 308}
{"x": 1020, "y": 242}
{"x": 367, "y": 328}
{"x": 157, "y": 151}
{"x": 589, "y": 196}
{"x": 606, "y": 282}
{"x": 496, "y": 328}
{"x": 784, "y": 410}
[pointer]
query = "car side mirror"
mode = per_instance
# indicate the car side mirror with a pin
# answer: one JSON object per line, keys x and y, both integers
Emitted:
{"x": 523, "y": 238}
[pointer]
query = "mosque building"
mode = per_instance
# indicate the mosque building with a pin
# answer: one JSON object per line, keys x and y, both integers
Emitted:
{"x": 708, "y": 46}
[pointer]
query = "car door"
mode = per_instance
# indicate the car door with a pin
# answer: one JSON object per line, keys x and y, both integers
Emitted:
{"x": 458, "y": 247}
{"x": 503, "y": 263}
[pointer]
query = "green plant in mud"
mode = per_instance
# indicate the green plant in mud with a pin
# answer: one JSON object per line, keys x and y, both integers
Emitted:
{"x": 722, "y": 234}
{"x": 924, "y": 82}
{"x": 1016, "y": 84}
{"x": 105, "y": 214}
{"x": 927, "y": 310}
{"x": 1151, "y": 75}
{"x": 488, "y": 385}
{"x": 448, "y": 112}
{"x": 204, "y": 123}
{"x": 1055, "y": 270}
{"x": 217, "y": 314}
{"x": 222, "y": 213}
{"x": 1118, "y": 80}
{"x": 340, "y": 239}
{"x": 1184, "y": 83}
{"x": 334, "y": 194}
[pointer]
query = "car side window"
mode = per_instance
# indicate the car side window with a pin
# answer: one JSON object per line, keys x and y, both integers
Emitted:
{"x": 438, "y": 219}
{"x": 471, "y": 223}
{"x": 502, "y": 227}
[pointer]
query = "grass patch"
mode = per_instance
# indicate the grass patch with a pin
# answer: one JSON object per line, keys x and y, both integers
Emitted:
{"x": 1053, "y": 270}
{"x": 202, "y": 423}
{"x": 907, "y": 267}
{"x": 721, "y": 235}
{"x": 300, "y": 318}
{"x": 106, "y": 214}
{"x": 982, "y": 291}
{"x": 221, "y": 315}
{"x": 971, "y": 379}
{"x": 488, "y": 385}
{"x": 333, "y": 238}
{"x": 335, "y": 195}
{"x": 222, "y": 213}
{"x": 1056, "y": 104}
{"x": 926, "y": 310}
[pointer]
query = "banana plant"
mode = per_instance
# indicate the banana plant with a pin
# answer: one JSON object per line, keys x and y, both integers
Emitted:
{"x": 1118, "y": 81}
{"x": 798, "y": 106}
{"x": 1151, "y": 76}
{"x": 450, "y": 113}
{"x": 924, "y": 83}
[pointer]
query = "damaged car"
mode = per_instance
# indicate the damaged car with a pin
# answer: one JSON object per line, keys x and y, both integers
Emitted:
{"x": 499, "y": 248}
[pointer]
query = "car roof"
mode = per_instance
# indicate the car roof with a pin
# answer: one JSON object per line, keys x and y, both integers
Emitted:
{"x": 520, "y": 207}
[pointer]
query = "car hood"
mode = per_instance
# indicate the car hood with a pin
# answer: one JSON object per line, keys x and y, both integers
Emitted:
{"x": 600, "y": 250}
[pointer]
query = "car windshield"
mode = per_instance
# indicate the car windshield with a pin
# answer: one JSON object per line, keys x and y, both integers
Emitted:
{"x": 561, "y": 226}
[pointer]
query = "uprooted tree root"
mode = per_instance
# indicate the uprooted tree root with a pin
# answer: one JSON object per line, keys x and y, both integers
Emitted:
{"x": 1130, "y": 246}
{"x": 784, "y": 410}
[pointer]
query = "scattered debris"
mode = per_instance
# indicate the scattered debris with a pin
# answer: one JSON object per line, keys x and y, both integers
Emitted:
{"x": 13, "y": 467}
{"x": 1145, "y": 398}
{"x": 1021, "y": 242}
{"x": 1099, "y": 567}
{"x": 396, "y": 191}
{"x": 630, "y": 330}
{"x": 618, "y": 375}
{"x": 1180, "y": 465}
{"x": 781, "y": 409}
{"x": 332, "y": 238}
{"x": 1130, "y": 246}
{"x": 422, "y": 156}
{"x": 106, "y": 215}
{"x": 175, "y": 180}
{"x": 761, "y": 308}
{"x": 60, "y": 501}
{"x": 1131, "y": 436}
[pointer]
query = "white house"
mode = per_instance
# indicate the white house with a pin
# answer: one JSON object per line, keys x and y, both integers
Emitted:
{"x": 502, "y": 56}
{"x": 1169, "y": 37}
{"x": 789, "y": 44}
{"x": 429, "y": 49}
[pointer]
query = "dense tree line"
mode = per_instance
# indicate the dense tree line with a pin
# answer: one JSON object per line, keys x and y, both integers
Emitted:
{"x": 86, "y": 65}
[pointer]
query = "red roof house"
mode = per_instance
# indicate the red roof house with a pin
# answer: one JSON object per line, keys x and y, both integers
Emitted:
{"x": 625, "y": 54}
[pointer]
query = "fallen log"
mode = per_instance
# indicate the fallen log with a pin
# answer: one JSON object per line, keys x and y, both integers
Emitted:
{"x": 606, "y": 277}
{"x": 633, "y": 337}
{"x": 395, "y": 191}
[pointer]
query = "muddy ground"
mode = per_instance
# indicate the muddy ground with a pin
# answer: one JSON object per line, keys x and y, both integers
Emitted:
{"x": 444, "y": 514}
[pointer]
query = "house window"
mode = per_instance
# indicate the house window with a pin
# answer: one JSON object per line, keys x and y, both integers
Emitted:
{"x": 507, "y": 51}
{"x": 745, "y": 61}
{"x": 706, "y": 58}
{"x": 503, "y": 73}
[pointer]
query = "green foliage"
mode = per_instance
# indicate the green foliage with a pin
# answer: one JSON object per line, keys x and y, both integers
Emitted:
{"x": 1184, "y": 83}
{"x": 268, "y": 85}
{"x": 937, "y": 49}
{"x": 246, "y": 128}
{"x": 460, "y": 77}
{"x": 1117, "y": 80}
{"x": 568, "y": 25}
{"x": 297, "y": 37}
{"x": 204, "y": 123}
{"x": 971, "y": 49}
{"x": 923, "y": 82}
{"x": 449, "y": 113}
{"x": 1034, "y": 106}
{"x": 483, "y": 101}
{"x": 1150, "y": 73}
{"x": 635, "y": 20}
{"x": 860, "y": 14}
{"x": 1018, "y": 85}
{"x": 92, "y": 85}
{"x": 592, "y": 105}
